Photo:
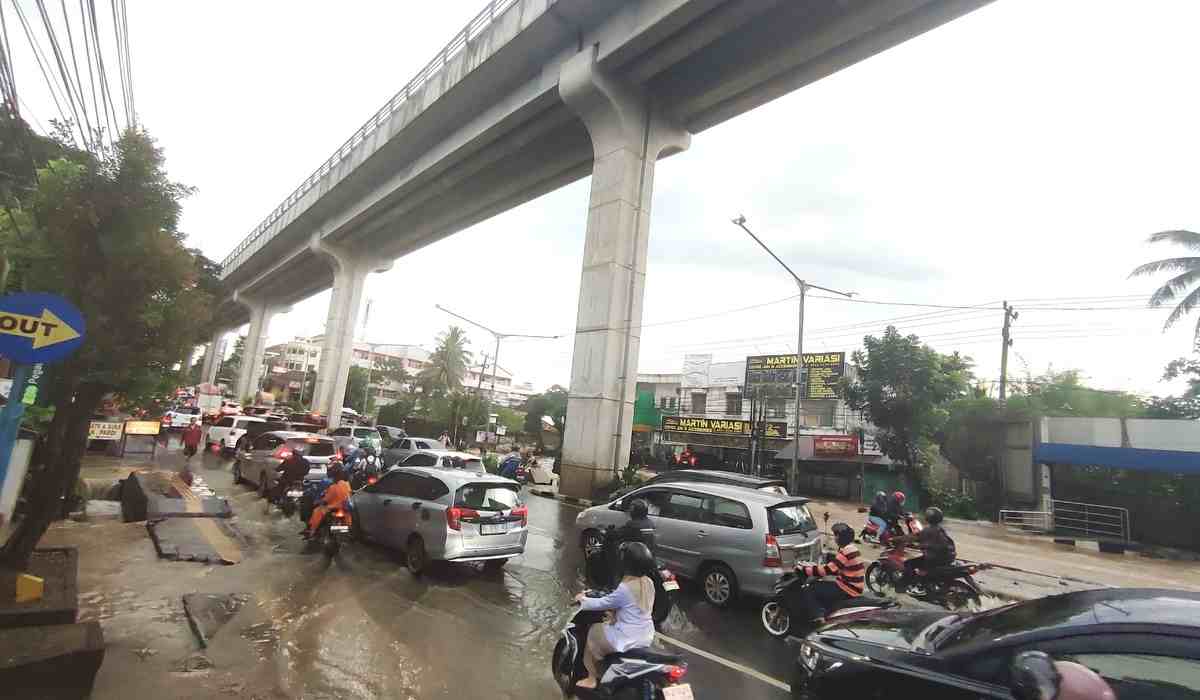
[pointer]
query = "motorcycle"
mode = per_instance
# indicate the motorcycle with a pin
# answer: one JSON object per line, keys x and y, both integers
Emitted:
{"x": 633, "y": 674}
{"x": 289, "y": 502}
{"x": 332, "y": 532}
{"x": 781, "y": 620}
{"x": 602, "y": 566}
{"x": 366, "y": 470}
{"x": 952, "y": 587}
{"x": 870, "y": 532}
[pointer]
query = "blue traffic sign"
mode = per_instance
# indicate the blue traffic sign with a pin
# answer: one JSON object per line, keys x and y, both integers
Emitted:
{"x": 36, "y": 327}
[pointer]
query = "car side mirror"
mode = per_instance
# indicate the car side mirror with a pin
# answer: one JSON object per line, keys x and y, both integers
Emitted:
{"x": 617, "y": 505}
{"x": 1034, "y": 677}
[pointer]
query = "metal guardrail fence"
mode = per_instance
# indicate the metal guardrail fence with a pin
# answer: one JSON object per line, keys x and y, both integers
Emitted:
{"x": 1091, "y": 520}
{"x": 257, "y": 238}
{"x": 1027, "y": 520}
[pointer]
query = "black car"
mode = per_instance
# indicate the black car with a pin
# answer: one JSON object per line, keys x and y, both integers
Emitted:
{"x": 1144, "y": 642}
{"x": 713, "y": 476}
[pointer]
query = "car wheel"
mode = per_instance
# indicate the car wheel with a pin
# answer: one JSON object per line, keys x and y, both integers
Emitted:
{"x": 592, "y": 541}
{"x": 776, "y": 618}
{"x": 492, "y": 566}
{"x": 262, "y": 485}
{"x": 719, "y": 584}
{"x": 415, "y": 556}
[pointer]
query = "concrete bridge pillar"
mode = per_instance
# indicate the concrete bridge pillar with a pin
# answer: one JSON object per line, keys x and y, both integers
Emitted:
{"x": 350, "y": 270}
{"x": 213, "y": 353}
{"x": 628, "y": 136}
{"x": 261, "y": 312}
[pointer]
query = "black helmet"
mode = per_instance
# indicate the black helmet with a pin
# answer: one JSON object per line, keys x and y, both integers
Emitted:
{"x": 1034, "y": 676}
{"x": 843, "y": 534}
{"x": 636, "y": 559}
{"x": 638, "y": 508}
{"x": 335, "y": 472}
{"x": 933, "y": 515}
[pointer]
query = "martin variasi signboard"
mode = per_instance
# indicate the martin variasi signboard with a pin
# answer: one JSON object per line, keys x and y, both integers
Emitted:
{"x": 822, "y": 372}
{"x": 720, "y": 426}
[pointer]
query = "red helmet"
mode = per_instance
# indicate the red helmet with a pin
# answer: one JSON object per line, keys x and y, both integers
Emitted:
{"x": 899, "y": 496}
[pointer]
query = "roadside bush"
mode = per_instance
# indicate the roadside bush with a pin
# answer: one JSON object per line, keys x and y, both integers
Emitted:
{"x": 953, "y": 503}
{"x": 491, "y": 462}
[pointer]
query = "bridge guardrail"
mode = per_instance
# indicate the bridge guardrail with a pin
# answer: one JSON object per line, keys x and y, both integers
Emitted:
{"x": 256, "y": 239}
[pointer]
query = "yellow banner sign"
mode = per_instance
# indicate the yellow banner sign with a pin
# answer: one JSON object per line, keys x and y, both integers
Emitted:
{"x": 720, "y": 426}
{"x": 822, "y": 372}
{"x": 142, "y": 427}
{"x": 104, "y": 430}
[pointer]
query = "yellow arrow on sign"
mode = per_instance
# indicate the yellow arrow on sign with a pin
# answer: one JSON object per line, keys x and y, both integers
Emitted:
{"x": 47, "y": 330}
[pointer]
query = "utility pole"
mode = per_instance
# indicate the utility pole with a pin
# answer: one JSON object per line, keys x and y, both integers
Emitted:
{"x": 496, "y": 357}
{"x": 1010, "y": 315}
{"x": 794, "y": 474}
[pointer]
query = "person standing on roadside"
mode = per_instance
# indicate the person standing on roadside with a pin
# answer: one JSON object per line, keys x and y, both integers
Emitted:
{"x": 445, "y": 439}
{"x": 191, "y": 438}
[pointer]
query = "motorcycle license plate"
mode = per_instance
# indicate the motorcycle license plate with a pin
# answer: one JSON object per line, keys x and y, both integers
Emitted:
{"x": 670, "y": 585}
{"x": 683, "y": 691}
{"x": 339, "y": 528}
{"x": 493, "y": 529}
{"x": 295, "y": 494}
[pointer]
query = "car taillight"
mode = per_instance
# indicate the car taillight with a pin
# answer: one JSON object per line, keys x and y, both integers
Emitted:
{"x": 522, "y": 511}
{"x": 676, "y": 673}
{"x": 282, "y": 453}
{"x": 666, "y": 575}
{"x": 771, "y": 556}
{"x": 455, "y": 515}
{"x": 339, "y": 513}
{"x": 371, "y": 480}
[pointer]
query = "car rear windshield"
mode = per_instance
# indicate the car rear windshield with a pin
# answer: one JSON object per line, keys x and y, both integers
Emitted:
{"x": 791, "y": 517}
{"x": 488, "y": 496}
{"x": 316, "y": 448}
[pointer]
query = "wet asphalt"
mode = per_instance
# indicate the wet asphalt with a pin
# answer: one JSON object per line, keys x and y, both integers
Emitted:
{"x": 361, "y": 626}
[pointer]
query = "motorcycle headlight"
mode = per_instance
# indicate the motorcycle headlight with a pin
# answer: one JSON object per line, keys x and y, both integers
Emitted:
{"x": 809, "y": 656}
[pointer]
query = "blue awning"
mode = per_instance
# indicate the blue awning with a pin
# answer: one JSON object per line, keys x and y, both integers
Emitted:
{"x": 1167, "y": 461}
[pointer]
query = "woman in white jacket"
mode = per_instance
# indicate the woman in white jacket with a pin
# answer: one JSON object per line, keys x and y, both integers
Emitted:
{"x": 631, "y": 604}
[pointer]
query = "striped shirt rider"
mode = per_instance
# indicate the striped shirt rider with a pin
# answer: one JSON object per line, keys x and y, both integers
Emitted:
{"x": 847, "y": 567}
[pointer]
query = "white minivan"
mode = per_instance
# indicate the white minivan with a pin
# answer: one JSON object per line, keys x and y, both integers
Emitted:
{"x": 228, "y": 430}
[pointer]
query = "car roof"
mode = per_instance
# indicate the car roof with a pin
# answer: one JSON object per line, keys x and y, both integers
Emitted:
{"x": 731, "y": 477}
{"x": 297, "y": 435}
{"x": 447, "y": 453}
{"x": 418, "y": 437}
{"x": 252, "y": 419}
{"x": 457, "y": 477}
{"x": 738, "y": 493}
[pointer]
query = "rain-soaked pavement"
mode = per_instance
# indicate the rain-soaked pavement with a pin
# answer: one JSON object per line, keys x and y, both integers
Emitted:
{"x": 361, "y": 626}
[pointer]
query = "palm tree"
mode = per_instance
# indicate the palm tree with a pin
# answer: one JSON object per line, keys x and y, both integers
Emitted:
{"x": 447, "y": 363}
{"x": 1188, "y": 276}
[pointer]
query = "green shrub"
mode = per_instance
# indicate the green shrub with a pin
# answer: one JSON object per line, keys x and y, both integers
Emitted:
{"x": 491, "y": 462}
{"x": 953, "y": 503}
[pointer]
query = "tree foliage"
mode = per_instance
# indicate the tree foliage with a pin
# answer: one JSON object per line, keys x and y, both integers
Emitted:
{"x": 1063, "y": 393}
{"x": 1182, "y": 289}
{"x": 447, "y": 364}
{"x": 552, "y": 403}
{"x": 102, "y": 231}
{"x": 902, "y": 387}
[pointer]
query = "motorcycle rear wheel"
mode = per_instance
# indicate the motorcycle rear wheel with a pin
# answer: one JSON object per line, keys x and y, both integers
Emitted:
{"x": 879, "y": 579}
{"x": 562, "y": 668}
{"x": 959, "y": 595}
{"x": 775, "y": 618}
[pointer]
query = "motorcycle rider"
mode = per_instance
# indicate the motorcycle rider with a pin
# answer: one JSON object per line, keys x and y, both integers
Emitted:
{"x": 878, "y": 511}
{"x": 291, "y": 470}
{"x": 893, "y": 513}
{"x": 639, "y": 527}
{"x": 849, "y": 574}
{"x": 632, "y": 603}
{"x": 335, "y": 497}
{"x": 936, "y": 544}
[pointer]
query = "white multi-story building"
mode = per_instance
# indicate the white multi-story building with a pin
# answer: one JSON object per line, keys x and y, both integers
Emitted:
{"x": 288, "y": 363}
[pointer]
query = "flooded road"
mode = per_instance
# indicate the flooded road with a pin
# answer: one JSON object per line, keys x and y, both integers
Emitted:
{"x": 361, "y": 626}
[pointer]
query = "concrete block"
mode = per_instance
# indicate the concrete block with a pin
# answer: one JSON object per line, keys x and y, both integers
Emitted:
{"x": 50, "y": 661}
{"x": 159, "y": 507}
{"x": 206, "y": 540}
{"x": 58, "y": 568}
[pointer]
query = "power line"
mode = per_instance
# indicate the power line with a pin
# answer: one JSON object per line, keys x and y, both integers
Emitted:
{"x": 62, "y": 70}
{"x": 39, "y": 58}
{"x": 105, "y": 91}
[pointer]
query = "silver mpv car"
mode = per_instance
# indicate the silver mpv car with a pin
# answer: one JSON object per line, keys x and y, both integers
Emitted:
{"x": 443, "y": 515}
{"x": 732, "y": 540}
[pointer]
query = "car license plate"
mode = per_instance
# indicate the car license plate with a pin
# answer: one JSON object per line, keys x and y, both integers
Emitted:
{"x": 339, "y": 528}
{"x": 493, "y": 529}
{"x": 670, "y": 585}
{"x": 295, "y": 494}
{"x": 682, "y": 691}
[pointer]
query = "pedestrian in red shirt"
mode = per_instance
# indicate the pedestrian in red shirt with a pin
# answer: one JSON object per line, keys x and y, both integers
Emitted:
{"x": 191, "y": 438}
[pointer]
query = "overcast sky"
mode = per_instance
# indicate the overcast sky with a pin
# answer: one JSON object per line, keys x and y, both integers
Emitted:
{"x": 1023, "y": 152}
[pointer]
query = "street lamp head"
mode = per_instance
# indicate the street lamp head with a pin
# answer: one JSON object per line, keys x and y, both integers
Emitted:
{"x": 739, "y": 220}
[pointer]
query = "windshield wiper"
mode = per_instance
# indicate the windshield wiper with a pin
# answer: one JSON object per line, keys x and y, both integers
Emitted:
{"x": 941, "y": 626}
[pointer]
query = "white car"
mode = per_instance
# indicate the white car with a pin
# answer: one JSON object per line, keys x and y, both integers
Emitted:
{"x": 400, "y": 450}
{"x": 228, "y": 430}
{"x": 445, "y": 459}
{"x": 359, "y": 432}
{"x": 180, "y": 418}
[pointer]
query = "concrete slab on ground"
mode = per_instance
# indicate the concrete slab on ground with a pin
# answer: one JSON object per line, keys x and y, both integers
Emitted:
{"x": 50, "y": 661}
{"x": 207, "y": 613}
{"x": 207, "y": 540}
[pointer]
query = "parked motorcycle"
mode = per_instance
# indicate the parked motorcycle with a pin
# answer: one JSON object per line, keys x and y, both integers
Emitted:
{"x": 603, "y": 569}
{"x": 870, "y": 532}
{"x": 633, "y": 674}
{"x": 781, "y": 620}
{"x": 952, "y": 587}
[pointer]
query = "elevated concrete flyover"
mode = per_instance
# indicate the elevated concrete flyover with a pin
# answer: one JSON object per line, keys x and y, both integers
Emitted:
{"x": 532, "y": 95}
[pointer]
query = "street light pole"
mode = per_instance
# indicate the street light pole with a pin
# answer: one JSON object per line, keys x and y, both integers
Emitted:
{"x": 794, "y": 474}
{"x": 496, "y": 357}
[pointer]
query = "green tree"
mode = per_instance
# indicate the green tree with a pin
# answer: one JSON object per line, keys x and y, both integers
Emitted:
{"x": 1063, "y": 393}
{"x": 903, "y": 388}
{"x": 447, "y": 364}
{"x": 512, "y": 421}
{"x": 1186, "y": 275}
{"x": 357, "y": 396}
{"x": 1187, "y": 404}
{"x": 395, "y": 414}
{"x": 103, "y": 233}
{"x": 552, "y": 403}
{"x": 229, "y": 369}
